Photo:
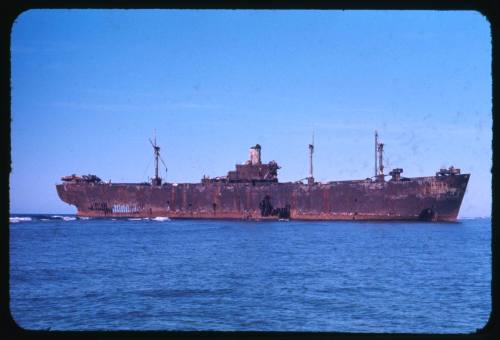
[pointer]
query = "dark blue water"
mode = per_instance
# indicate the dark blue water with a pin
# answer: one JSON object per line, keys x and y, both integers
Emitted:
{"x": 224, "y": 275}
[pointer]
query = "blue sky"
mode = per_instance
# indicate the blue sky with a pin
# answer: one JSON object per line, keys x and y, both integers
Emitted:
{"x": 89, "y": 87}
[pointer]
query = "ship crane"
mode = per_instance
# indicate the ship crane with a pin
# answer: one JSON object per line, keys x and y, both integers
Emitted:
{"x": 157, "y": 179}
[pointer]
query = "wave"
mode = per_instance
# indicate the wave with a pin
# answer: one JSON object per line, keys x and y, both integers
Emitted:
{"x": 64, "y": 218}
{"x": 19, "y": 219}
{"x": 135, "y": 219}
{"x": 161, "y": 219}
{"x": 43, "y": 218}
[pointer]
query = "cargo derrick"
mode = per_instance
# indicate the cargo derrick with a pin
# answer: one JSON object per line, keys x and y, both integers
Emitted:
{"x": 252, "y": 191}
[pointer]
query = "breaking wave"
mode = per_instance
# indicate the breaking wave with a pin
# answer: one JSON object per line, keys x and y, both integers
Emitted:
{"x": 43, "y": 218}
{"x": 64, "y": 218}
{"x": 19, "y": 219}
{"x": 138, "y": 219}
{"x": 161, "y": 219}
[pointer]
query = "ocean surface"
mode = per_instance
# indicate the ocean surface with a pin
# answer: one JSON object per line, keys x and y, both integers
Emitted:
{"x": 91, "y": 274}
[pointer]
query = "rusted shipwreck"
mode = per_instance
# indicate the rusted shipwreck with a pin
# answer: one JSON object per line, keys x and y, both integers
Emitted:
{"x": 252, "y": 191}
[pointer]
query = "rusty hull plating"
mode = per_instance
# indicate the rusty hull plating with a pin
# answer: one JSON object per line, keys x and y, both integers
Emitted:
{"x": 252, "y": 191}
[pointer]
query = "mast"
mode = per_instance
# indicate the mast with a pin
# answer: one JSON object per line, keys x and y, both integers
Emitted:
{"x": 376, "y": 153}
{"x": 310, "y": 179}
{"x": 379, "y": 159}
{"x": 157, "y": 155}
{"x": 156, "y": 180}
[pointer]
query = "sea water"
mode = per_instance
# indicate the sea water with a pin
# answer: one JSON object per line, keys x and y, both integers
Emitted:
{"x": 101, "y": 274}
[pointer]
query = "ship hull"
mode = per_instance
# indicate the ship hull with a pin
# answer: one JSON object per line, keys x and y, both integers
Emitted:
{"x": 436, "y": 198}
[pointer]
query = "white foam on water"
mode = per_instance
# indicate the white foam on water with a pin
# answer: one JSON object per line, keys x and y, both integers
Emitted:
{"x": 19, "y": 219}
{"x": 161, "y": 219}
{"x": 64, "y": 218}
{"x": 83, "y": 218}
{"x": 134, "y": 219}
{"x": 44, "y": 219}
